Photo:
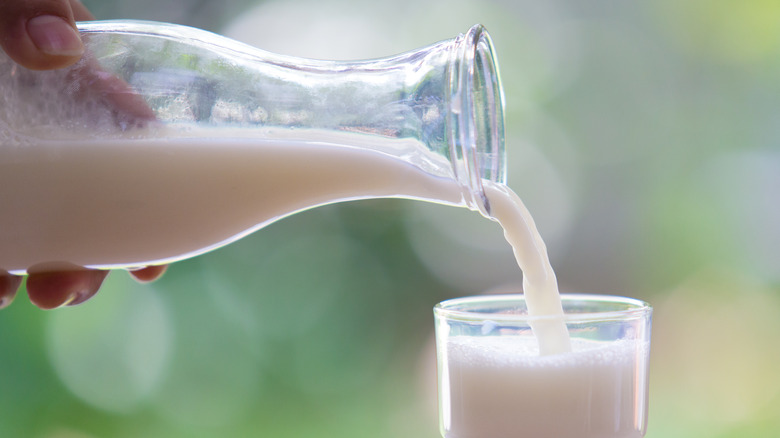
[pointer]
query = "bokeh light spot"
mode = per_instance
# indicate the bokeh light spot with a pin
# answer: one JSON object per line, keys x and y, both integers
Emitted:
{"x": 112, "y": 351}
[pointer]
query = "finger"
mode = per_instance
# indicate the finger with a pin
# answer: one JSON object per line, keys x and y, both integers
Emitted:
{"x": 49, "y": 290}
{"x": 41, "y": 34}
{"x": 149, "y": 273}
{"x": 9, "y": 284}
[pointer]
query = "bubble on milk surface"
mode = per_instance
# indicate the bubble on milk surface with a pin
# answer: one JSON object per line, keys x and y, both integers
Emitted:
{"x": 523, "y": 351}
{"x": 50, "y": 105}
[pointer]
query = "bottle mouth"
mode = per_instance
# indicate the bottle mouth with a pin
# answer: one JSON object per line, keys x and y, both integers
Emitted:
{"x": 478, "y": 116}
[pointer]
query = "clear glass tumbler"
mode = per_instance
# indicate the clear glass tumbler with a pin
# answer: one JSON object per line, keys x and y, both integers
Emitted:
{"x": 494, "y": 384}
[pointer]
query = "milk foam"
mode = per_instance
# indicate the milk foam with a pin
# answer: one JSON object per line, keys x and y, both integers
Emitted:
{"x": 519, "y": 351}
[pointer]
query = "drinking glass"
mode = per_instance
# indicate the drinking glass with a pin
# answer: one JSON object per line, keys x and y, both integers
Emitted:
{"x": 493, "y": 383}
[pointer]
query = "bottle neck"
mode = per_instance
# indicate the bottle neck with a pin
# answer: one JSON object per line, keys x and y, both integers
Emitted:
{"x": 446, "y": 98}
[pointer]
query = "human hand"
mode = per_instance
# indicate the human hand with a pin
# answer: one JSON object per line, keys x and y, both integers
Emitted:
{"x": 42, "y": 35}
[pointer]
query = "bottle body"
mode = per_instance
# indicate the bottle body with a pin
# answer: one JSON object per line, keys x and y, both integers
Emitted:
{"x": 157, "y": 147}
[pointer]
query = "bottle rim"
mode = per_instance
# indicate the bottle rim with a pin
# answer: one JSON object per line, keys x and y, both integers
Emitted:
{"x": 477, "y": 100}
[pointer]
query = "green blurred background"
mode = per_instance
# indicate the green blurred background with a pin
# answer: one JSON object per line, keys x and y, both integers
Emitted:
{"x": 641, "y": 135}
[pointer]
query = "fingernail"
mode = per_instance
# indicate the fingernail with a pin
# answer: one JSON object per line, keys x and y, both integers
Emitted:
{"x": 94, "y": 279}
{"x": 54, "y": 36}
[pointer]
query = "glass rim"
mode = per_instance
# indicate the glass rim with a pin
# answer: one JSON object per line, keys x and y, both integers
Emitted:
{"x": 453, "y": 309}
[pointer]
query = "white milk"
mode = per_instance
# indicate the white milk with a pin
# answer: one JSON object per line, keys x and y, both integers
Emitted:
{"x": 131, "y": 202}
{"x": 153, "y": 199}
{"x": 499, "y": 387}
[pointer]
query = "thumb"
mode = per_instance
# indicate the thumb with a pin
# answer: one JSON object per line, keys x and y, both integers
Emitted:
{"x": 41, "y": 34}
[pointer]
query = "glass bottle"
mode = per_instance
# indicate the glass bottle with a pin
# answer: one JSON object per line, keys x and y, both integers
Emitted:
{"x": 156, "y": 115}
